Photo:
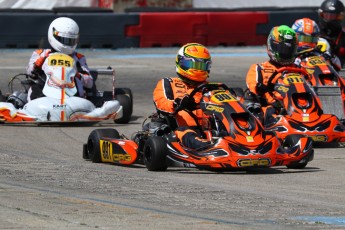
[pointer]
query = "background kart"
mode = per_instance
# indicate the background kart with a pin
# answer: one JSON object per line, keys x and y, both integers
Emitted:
{"x": 59, "y": 104}
{"x": 328, "y": 85}
{"x": 239, "y": 141}
{"x": 301, "y": 111}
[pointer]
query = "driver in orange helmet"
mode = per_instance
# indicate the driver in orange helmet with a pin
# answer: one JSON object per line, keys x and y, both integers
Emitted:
{"x": 193, "y": 63}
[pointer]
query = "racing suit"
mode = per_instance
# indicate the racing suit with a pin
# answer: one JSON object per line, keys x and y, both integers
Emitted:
{"x": 164, "y": 96}
{"x": 257, "y": 79}
{"x": 83, "y": 78}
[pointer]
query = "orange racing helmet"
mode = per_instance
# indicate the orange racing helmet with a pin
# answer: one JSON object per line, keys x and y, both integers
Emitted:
{"x": 308, "y": 33}
{"x": 193, "y": 63}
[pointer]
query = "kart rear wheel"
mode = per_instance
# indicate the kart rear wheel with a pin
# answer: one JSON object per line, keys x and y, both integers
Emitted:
{"x": 154, "y": 154}
{"x": 127, "y": 108}
{"x": 290, "y": 141}
{"x": 127, "y": 92}
{"x": 93, "y": 148}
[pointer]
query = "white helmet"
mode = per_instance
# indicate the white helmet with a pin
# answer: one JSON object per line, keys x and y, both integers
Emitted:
{"x": 63, "y": 35}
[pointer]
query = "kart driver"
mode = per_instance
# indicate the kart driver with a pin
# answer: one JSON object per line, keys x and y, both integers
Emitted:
{"x": 193, "y": 63}
{"x": 331, "y": 15}
{"x": 63, "y": 36}
{"x": 281, "y": 49}
{"x": 308, "y": 33}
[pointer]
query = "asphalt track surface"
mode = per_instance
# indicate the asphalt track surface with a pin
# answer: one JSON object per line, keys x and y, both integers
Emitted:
{"x": 45, "y": 183}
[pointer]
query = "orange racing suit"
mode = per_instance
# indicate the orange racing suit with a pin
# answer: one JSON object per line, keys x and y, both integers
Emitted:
{"x": 164, "y": 95}
{"x": 260, "y": 74}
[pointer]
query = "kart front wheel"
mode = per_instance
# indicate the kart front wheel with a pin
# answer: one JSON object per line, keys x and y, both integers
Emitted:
{"x": 93, "y": 142}
{"x": 154, "y": 154}
{"x": 292, "y": 140}
{"x": 297, "y": 165}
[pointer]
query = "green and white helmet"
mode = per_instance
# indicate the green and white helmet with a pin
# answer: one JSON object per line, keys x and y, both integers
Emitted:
{"x": 282, "y": 45}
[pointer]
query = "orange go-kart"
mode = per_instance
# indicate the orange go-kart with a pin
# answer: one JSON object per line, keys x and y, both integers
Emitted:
{"x": 238, "y": 139}
{"x": 301, "y": 111}
{"x": 327, "y": 83}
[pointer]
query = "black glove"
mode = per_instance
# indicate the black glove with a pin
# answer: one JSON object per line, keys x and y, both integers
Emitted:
{"x": 277, "y": 105}
{"x": 185, "y": 103}
{"x": 261, "y": 88}
{"x": 327, "y": 56}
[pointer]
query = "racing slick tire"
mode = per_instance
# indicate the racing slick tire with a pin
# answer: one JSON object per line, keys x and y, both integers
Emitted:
{"x": 126, "y": 104}
{"x": 290, "y": 141}
{"x": 125, "y": 97}
{"x": 93, "y": 149}
{"x": 128, "y": 93}
{"x": 2, "y": 97}
{"x": 154, "y": 154}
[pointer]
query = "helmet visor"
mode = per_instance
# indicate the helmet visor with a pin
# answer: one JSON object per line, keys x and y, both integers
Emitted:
{"x": 67, "y": 41}
{"x": 331, "y": 16}
{"x": 307, "y": 38}
{"x": 195, "y": 63}
{"x": 284, "y": 50}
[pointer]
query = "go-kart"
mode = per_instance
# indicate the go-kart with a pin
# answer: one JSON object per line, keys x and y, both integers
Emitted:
{"x": 238, "y": 139}
{"x": 301, "y": 110}
{"x": 327, "y": 83}
{"x": 60, "y": 103}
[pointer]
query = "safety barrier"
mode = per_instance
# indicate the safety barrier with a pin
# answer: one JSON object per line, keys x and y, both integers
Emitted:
{"x": 176, "y": 28}
{"x": 155, "y": 29}
{"x": 276, "y": 18}
{"x": 235, "y": 28}
{"x": 98, "y": 30}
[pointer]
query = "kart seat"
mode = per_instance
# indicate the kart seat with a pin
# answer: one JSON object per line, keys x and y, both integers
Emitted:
{"x": 302, "y": 100}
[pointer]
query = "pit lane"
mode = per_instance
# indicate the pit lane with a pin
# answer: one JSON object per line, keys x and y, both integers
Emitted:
{"x": 45, "y": 182}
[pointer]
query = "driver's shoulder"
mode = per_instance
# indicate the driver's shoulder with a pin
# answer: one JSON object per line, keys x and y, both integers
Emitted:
{"x": 78, "y": 55}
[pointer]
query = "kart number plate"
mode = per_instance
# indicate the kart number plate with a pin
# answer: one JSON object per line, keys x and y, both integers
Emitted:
{"x": 223, "y": 97}
{"x": 108, "y": 155}
{"x": 60, "y": 60}
{"x": 315, "y": 61}
{"x": 293, "y": 79}
{"x": 254, "y": 162}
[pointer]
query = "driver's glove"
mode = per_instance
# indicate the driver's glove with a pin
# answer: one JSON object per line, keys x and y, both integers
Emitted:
{"x": 185, "y": 103}
{"x": 277, "y": 105}
{"x": 261, "y": 88}
{"x": 39, "y": 62}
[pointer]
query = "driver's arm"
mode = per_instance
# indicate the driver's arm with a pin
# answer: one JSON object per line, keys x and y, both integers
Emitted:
{"x": 163, "y": 96}
{"x": 253, "y": 78}
{"x": 83, "y": 70}
{"x": 36, "y": 60}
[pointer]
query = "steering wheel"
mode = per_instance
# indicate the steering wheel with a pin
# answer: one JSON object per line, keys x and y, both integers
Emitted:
{"x": 272, "y": 80}
{"x": 204, "y": 88}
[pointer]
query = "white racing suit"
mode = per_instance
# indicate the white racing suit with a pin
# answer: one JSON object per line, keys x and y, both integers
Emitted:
{"x": 37, "y": 58}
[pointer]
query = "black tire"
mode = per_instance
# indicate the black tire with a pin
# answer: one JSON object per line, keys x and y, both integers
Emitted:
{"x": 290, "y": 141}
{"x": 297, "y": 165}
{"x": 154, "y": 154}
{"x": 127, "y": 92}
{"x": 2, "y": 97}
{"x": 93, "y": 149}
{"x": 127, "y": 105}
{"x": 121, "y": 91}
